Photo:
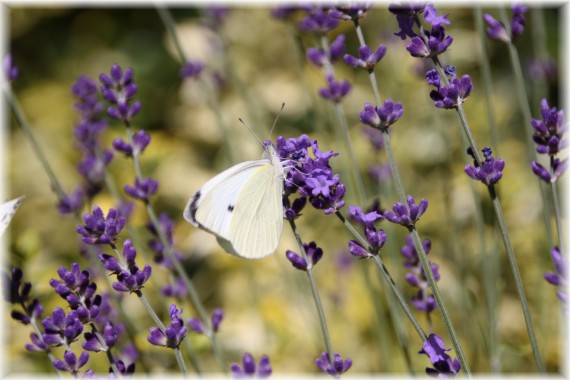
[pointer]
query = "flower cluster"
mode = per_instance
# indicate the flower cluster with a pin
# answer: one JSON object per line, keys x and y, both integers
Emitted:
{"x": 381, "y": 117}
{"x": 318, "y": 21}
{"x": 558, "y": 278}
{"x": 119, "y": 89}
{"x": 375, "y": 238}
{"x": 196, "y": 325}
{"x": 416, "y": 275}
{"x": 172, "y": 335}
{"x": 99, "y": 229}
{"x": 18, "y": 293}
{"x": 335, "y": 368}
{"x": 407, "y": 216}
{"x": 366, "y": 59}
{"x": 335, "y": 90}
{"x": 313, "y": 255}
{"x": 249, "y": 369}
{"x": 452, "y": 95}
{"x": 489, "y": 172}
{"x": 496, "y": 30}
{"x": 549, "y": 137}
{"x": 71, "y": 363}
{"x": 429, "y": 43}
{"x": 350, "y": 11}
{"x": 310, "y": 174}
{"x": 320, "y": 57}
{"x": 130, "y": 277}
{"x": 444, "y": 366}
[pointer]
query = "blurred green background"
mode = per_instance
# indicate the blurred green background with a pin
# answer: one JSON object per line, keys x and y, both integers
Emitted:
{"x": 267, "y": 304}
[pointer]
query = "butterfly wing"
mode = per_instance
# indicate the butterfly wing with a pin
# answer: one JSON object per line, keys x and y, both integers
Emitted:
{"x": 257, "y": 222}
{"x": 7, "y": 211}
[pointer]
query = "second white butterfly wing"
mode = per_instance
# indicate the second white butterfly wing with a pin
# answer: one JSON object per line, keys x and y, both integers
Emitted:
{"x": 258, "y": 214}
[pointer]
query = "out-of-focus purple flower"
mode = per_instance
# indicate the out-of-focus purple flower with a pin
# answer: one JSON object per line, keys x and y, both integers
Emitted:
{"x": 416, "y": 275}
{"x": 433, "y": 44}
{"x": 560, "y": 277}
{"x": 99, "y": 229}
{"x": 319, "y": 57}
{"x": 367, "y": 220}
{"x": 11, "y": 71}
{"x": 38, "y": 345}
{"x": 431, "y": 16}
{"x": 216, "y": 318}
{"x": 318, "y": 21}
{"x": 71, "y": 203}
{"x": 452, "y": 95}
{"x": 217, "y": 13}
{"x": 366, "y": 59}
{"x": 374, "y": 136}
{"x": 155, "y": 244}
{"x": 314, "y": 254}
{"x": 407, "y": 216}
{"x": 335, "y": 368}
{"x": 283, "y": 11}
{"x": 490, "y": 171}
{"x": 61, "y": 329}
{"x": 191, "y": 69}
{"x": 376, "y": 238}
{"x": 173, "y": 334}
{"x": 124, "y": 370}
{"x": 177, "y": 289}
{"x": 133, "y": 280}
{"x": 310, "y": 174}
{"x": 141, "y": 139}
{"x": 143, "y": 189}
{"x": 70, "y": 362}
{"x": 381, "y": 117}
{"x": 92, "y": 168}
{"x": 542, "y": 69}
{"x": 549, "y": 132}
{"x": 518, "y": 21}
{"x": 350, "y": 11}
{"x": 335, "y": 91}
{"x": 249, "y": 369}
{"x": 407, "y": 14}
{"x": 496, "y": 29}
{"x": 444, "y": 366}
{"x": 119, "y": 89}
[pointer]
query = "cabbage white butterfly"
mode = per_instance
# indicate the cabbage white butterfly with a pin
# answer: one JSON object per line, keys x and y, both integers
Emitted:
{"x": 243, "y": 206}
{"x": 7, "y": 211}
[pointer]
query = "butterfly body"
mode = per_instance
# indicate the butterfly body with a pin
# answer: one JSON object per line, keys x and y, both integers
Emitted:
{"x": 242, "y": 206}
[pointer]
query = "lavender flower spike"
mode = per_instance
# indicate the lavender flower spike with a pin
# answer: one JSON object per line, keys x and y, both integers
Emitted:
{"x": 491, "y": 170}
{"x": 142, "y": 189}
{"x": 71, "y": 363}
{"x": 336, "y": 368}
{"x": 366, "y": 60}
{"x": 99, "y": 229}
{"x": 249, "y": 368}
{"x": 191, "y": 69}
{"x": 407, "y": 216}
{"x": 443, "y": 364}
{"x": 496, "y": 29}
{"x": 381, "y": 117}
{"x": 560, "y": 277}
{"x": 336, "y": 90}
{"x": 11, "y": 72}
{"x": 173, "y": 334}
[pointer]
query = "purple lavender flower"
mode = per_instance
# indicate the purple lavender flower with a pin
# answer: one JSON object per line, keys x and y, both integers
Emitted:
{"x": 336, "y": 90}
{"x": 17, "y": 293}
{"x": 109, "y": 334}
{"x": 70, "y": 362}
{"x": 407, "y": 216}
{"x": 444, "y": 366}
{"x": 314, "y": 254}
{"x": 336, "y": 368}
{"x": 542, "y": 69}
{"x": 381, "y": 117}
{"x": 37, "y": 345}
{"x": 559, "y": 278}
{"x": 191, "y": 69}
{"x": 367, "y": 220}
{"x": 61, "y": 329}
{"x": 497, "y": 30}
{"x": 433, "y": 44}
{"x": 119, "y": 89}
{"x": 431, "y": 16}
{"x": 283, "y": 11}
{"x": 549, "y": 132}
{"x": 177, "y": 289}
{"x": 491, "y": 170}
{"x": 173, "y": 334}
{"x": 143, "y": 189}
{"x": 318, "y": 21}
{"x": 141, "y": 139}
{"x": 11, "y": 71}
{"x": 99, "y": 229}
{"x": 311, "y": 177}
{"x": 319, "y": 57}
{"x": 416, "y": 275}
{"x": 293, "y": 211}
{"x": 350, "y": 11}
{"x": 366, "y": 59}
{"x": 518, "y": 21}
{"x": 92, "y": 168}
{"x": 71, "y": 203}
{"x": 131, "y": 278}
{"x": 249, "y": 369}
{"x": 452, "y": 95}
{"x": 376, "y": 239}
{"x": 196, "y": 324}
{"x": 155, "y": 244}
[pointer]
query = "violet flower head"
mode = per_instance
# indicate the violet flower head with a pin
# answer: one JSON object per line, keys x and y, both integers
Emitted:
{"x": 72, "y": 202}
{"x": 366, "y": 59}
{"x": 416, "y": 276}
{"x": 336, "y": 90}
{"x": 143, "y": 189}
{"x": 11, "y": 71}
{"x": 216, "y": 318}
{"x": 444, "y": 366}
{"x": 124, "y": 370}
{"x": 375, "y": 238}
{"x": 314, "y": 254}
{"x": 406, "y": 15}
{"x": 191, "y": 69}
{"x": 452, "y": 95}
{"x": 496, "y": 30}
{"x": 407, "y": 215}
{"x": 559, "y": 278}
{"x": 549, "y": 132}
{"x": 129, "y": 279}
{"x": 319, "y": 57}
{"x": 490, "y": 171}
{"x": 433, "y": 44}
{"x": 119, "y": 89}
{"x": 335, "y": 368}
{"x": 61, "y": 329}
{"x": 177, "y": 289}
{"x": 519, "y": 20}
{"x": 109, "y": 334}
{"x": 250, "y": 369}
{"x": 17, "y": 293}
{"x": 318, "y": 21}
{"x": 431, "y": 16}
{"x": 381, "y": 117}
{"x": 70, "y": 362}
{"x": 99, "y": 229}
{"x": 350, "y": 11}
{"x": 173, "y": 334}
{"x": 141, "y": 139}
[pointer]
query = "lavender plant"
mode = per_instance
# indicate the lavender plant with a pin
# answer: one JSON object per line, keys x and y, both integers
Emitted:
{"x": 203, "y": 307}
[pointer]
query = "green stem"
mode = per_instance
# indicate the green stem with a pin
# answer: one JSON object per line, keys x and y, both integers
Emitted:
{"x": 181, "y": 363}
{"x": 558, "y": 216}
{"x": 517, "y": 277}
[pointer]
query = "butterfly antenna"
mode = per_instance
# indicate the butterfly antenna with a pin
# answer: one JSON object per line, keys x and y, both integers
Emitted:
{"x": 276, "y": 118}
{"x": 252, "y": 132}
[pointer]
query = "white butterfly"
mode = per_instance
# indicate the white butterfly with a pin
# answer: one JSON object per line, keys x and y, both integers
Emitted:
{"x": 7, "y": 211}
{"x": 243, "y": 206}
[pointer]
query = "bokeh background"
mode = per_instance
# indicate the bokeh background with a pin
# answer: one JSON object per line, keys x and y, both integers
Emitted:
{"x": 260, "y": 62}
